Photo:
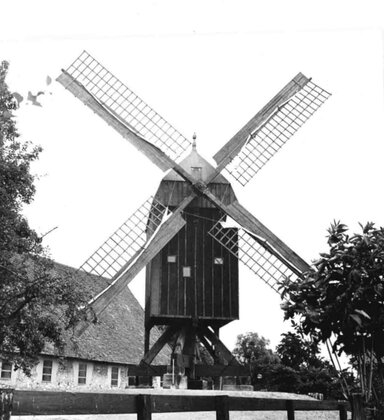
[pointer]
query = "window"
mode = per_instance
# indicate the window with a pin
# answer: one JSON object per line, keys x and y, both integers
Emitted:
{"x": 6, "y": 370}
{"x": 171, "y": 258}
{"x": 82, "y": 378}
{"x": 131, "y": 380}
{"x": 47, "y": 370}
{"x": 197, "y": 172}
{"x": 114, "y": 376}
{"x": 219, "y": 261}
{"x": 186, "y": 271}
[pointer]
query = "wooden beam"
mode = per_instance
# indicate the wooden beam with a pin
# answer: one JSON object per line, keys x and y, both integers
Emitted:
{"x": 219, "y": 346}
{"x": 71, "y": 403}
{"x": 165, "y": 233}
{"x": 290, "y": 410}
{"x": 159, "y": 344}
{"x": 207, "y": 345}
{"x": 264, "y": 236}
{"x": 151, "y": 370}
{"x": 358, "y": 412}
{"x": 222, "y": 407}
{"x": 176, "y": 403}
{"x": 343, "y": 415}
{"x": 144, "y": 407}
{"x": 6, "y": 402}
{"x": 153, "y": 153}
{"x": 46, "y": 403}
{"x": 251, "y": 223}
{"x": 156, "y": 155}
{"x": 220, "y": 370}
{"x": 147, "y": 336}
{"x": 235, "y": 144}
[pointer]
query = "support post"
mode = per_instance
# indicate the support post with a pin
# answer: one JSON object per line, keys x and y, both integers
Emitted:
{"x": 6, "y": 400}
{"x": 146, "y": 339}
{"x": 160, "y": 343}
{"x": 290, "y": 410}
{"x": 219, "y": 346}
{"x": 222, "y": 407}
{"x": 144, "y": 407}
{"x": 343, "y": 412}
{"x": 357, "y": 403}
{"x": 216, "y": 330}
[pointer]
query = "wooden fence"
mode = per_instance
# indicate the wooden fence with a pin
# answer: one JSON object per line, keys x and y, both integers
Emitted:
{"x": 67, "y": 403}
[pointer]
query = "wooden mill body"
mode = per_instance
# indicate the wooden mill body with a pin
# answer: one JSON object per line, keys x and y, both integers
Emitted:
{"x": 193, "y": 279}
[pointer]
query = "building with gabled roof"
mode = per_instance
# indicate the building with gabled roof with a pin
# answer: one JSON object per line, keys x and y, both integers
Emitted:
{"x": 103, "y": 354}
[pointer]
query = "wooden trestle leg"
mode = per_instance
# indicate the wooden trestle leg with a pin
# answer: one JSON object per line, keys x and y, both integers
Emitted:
{"x": 186, "y": 353}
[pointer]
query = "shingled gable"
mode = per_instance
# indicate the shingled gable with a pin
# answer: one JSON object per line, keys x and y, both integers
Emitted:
{"x": 118, "y": 336}
{"x": 195, "y": 160}
{"x": 173, "y": 188}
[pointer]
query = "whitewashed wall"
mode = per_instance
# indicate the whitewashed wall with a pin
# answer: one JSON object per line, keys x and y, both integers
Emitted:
{"x": 65, "y": 376}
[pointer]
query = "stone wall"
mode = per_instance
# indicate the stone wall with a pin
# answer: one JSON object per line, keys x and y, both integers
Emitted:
{"x": 64, "y": 375}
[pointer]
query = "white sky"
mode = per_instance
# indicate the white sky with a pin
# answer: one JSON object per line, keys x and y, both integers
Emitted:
{"x": 206, "y": 67}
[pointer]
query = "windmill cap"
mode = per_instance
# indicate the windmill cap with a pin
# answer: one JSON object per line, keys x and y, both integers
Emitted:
{"x": 198, "y": 167}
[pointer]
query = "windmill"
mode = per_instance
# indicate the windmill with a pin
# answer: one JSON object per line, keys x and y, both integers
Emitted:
{"x": 180, "y": 234}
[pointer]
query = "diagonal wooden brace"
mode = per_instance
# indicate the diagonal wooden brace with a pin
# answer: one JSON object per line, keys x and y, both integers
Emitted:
{"x": 160, "y": 343}
{"x": 205, "y": 332}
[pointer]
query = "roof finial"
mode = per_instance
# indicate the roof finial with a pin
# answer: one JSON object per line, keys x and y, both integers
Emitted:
{"x": 194, "y": 141}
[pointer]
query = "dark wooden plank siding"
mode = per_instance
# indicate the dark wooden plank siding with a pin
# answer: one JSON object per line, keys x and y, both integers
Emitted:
{"x": 164, "y": 282}
{"x": 173, "y": 277}
{"x": 211, "y": 290}
{"x": 208, "y": 271}
{"x": 190, "y": 281}
{"x": 153, "y": 271}
{"x": 234, "y": 275}
{"x": 181, "y": 281}
{"x": 227, "y": 285}
{"x": 199, "y": 265}
{"x": 171, "y": 193}
{"x": 217, "y": 281}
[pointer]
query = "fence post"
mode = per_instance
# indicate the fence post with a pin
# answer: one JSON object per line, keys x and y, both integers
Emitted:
{"x": 290, "y": 410}
{"x": 357, "y": 403}
{"x": 6, "y": 400}
{"x": 144, "y": 407}
{"x": 222, "y": 407}
{"x": 343, "y": 412}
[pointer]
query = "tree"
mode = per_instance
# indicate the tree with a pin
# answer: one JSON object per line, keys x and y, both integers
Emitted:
{"x": 342, "y": 296}
{"x": 296, "y": 352}
{"x": 251, "y": 348}
{"x": 295, "y": 367}
{"x": 37, "y": 305}
{"x": 252, "y": 351}
{"x": 280, "y": 378}
{"x": 316, "y": 374}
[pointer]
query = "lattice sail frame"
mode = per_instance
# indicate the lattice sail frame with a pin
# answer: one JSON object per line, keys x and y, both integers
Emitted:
{"x": 251, "y": 253}
{"x": 127, "y": 241}
{"x": 127, "y": 106}
{"x": 267, "y": 139}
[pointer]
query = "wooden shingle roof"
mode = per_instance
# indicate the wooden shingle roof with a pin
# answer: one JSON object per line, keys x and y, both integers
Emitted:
{"x": 173, "y": 188}
{"x": 195, "y": 160}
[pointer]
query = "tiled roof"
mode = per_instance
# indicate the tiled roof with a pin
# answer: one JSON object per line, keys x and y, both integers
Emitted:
{"x": 118, "y": 336}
